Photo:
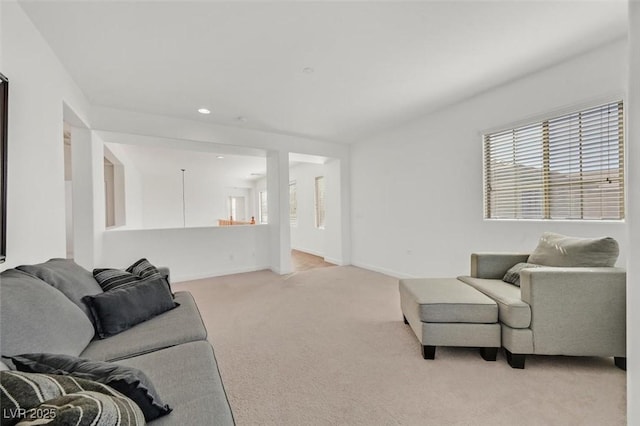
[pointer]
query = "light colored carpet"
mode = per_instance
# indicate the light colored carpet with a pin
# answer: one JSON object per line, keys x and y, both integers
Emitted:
{"x": 328, "y": 347}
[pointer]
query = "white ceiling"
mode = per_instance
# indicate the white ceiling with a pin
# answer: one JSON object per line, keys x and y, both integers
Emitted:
{"x": 376, "y": 64}
{"x": 152, "y": 160}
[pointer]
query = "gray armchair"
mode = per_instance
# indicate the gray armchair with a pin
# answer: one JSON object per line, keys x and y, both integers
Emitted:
{"x": 578, "y": 311}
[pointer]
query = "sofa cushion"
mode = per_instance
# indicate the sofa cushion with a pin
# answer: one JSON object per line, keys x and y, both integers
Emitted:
{"x": 446, "y": 300}
{"x": 123, "y": 307}
{"x": 512, "y": 276}
{"x": 129, "y": 381}
{"x": 35, "y": 317}
{"x": 179, "y": 325}
{"x": 188, "y": 379}
{"x": 72, "y": 280}
{"x": 559, "y": 250}
{"x": 66, "y": 400}
{"x": 512, "y": 311}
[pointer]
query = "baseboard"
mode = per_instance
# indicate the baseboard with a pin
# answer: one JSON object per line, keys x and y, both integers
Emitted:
{"x": 221, "y": 273}
{"x": 385, "y": 271}
{"x": 304, "y": 250}
{"x": 334, "y": 261}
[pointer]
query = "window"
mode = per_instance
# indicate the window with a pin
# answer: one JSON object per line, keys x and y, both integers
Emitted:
{"x": 293, "y": 204}
{"x": 569, "y": 167}
{"x": 320, "y": 199}
{"x": 236, "y": 208}
{"x": 263, "y": 206}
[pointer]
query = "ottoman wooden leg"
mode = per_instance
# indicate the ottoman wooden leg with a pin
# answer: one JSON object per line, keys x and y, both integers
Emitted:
{"x": 428, "y": 352}
{"x": 489, "y": 354}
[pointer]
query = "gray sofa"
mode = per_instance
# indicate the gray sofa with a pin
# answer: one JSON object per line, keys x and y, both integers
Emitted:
{"x": 556, "y": 310}
{"x": 171, "y": 348}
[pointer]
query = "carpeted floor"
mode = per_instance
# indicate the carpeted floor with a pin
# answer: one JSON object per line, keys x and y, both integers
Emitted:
{"x": 328, "y": 347}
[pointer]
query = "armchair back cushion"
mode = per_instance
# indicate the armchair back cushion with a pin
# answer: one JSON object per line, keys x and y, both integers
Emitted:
{"x": 559, "y": 250}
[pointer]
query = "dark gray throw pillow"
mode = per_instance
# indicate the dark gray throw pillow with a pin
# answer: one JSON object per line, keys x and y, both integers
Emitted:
{"x": 513, "y": 274}
{"x": 131, "y": 382}
{"x": 71, "y": 279}
{"x": 117, "y": 310}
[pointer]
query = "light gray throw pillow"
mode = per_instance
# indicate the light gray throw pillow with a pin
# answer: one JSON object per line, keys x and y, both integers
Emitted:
{"x": 35, "y": 317}
{"x": 559, "y": 250}
{"x": 71, "y": 279}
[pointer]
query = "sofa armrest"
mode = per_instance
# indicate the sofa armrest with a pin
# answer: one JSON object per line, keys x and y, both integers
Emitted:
{"x": 494, "y": 265}
{"x": 576, "y": 311}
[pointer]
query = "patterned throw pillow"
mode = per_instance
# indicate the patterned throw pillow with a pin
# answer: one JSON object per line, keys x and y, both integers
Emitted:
{"x": 34, "y": 399}
{"x": 139, "y": 272}
{"x": 129, "y": 381}
{"x": 513, "y": 275}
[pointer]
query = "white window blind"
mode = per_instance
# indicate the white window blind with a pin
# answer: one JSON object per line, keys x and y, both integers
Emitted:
{"x": 320, "y": 202}
{"x": 569, "y": 167}
{"x": 293, "y": 203}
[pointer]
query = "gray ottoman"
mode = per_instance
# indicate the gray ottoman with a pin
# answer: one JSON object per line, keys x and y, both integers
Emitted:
{"x": 448, "y": 312}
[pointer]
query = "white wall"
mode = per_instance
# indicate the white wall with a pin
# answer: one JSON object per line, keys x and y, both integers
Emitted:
{"x": 111, "y": 120}
{"x": 417, "y": 190}
{"x": 206, "y": 198}
{"x": 633, "y": 274}
{"x": 39, "y": 86}
{"x": 337, "y": 248}
{"x": 278, "y": 211}
{"x": 305, "y": 236}
{"x": 208, "y": 184}
{"x": 132, "y": 185}
{"x": 191, "y": 253}
{"x": 88, "y": 196}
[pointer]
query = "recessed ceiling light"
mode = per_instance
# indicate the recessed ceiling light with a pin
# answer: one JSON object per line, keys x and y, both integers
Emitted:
{"x": 308, "y": 70}
{"x": 204, "y": 111}
{"x": 219, "y": 157}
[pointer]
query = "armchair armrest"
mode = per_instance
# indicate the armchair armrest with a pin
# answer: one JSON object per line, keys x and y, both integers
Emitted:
{"x": 494, "y": 265}
{"x": 576, "y": 311}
